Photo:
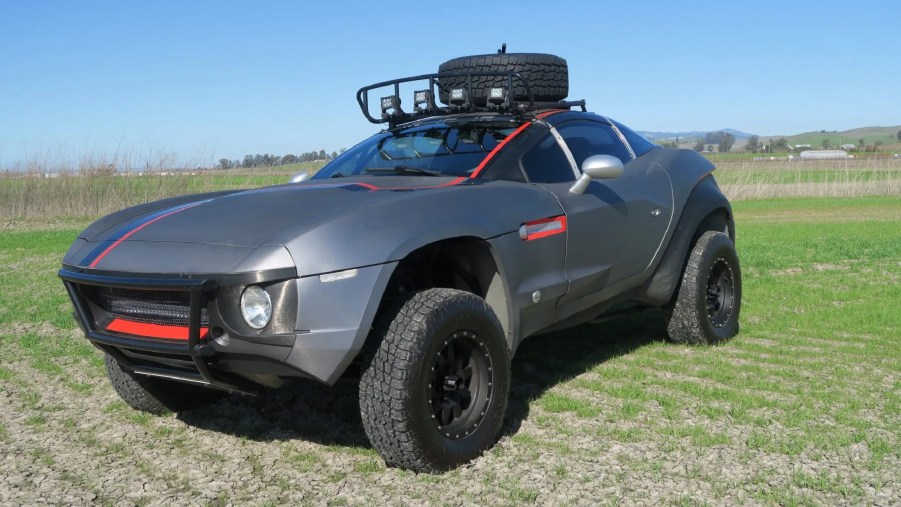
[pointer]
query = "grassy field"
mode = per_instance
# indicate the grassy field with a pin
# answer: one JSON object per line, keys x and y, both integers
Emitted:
{"x": 742, "y": 180}
{"x": 803, "y": 407}
{"x": 85, "y": 195}
{"x": 92, "y": 194}
{"x": 746, "y": 156}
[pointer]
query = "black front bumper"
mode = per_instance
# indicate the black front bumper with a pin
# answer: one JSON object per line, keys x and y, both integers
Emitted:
{"x": 184, "y": 361}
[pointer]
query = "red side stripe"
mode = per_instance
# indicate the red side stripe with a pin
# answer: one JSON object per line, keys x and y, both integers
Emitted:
{"x": 136, "y": 229}
{"x": 151, "y": 330}
{"x": 492, "y": 153}
{"x": 560, "y": 229}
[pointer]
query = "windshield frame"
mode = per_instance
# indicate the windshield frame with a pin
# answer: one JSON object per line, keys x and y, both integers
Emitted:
{"x": 412, "y": 149}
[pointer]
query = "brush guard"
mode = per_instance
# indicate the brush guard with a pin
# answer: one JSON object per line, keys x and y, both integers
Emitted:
{"x": 158, "y": 352}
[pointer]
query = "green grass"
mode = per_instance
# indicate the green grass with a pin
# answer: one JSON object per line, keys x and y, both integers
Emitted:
{"x": 555, "y": 403}
{"x": 814, "y": 377}
{"x": 819, "y": 334}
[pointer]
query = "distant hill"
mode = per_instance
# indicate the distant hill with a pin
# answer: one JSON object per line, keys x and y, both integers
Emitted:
{"x": 694, "y": 134}
{"x": 870, "y": 135}
{"x": 888, "y": 136}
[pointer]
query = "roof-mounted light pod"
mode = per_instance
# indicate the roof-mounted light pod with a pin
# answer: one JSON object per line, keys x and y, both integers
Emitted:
{"x": 498, "y": 97}
{"x": 424, "y": 100}
{"x": 391, "y": 106}
{"x": 458, "y": 98}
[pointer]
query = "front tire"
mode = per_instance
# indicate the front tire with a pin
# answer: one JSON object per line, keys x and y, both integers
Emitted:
{"x": 708, "y": 302}
{"x": 435, "y": 382}
{"x": 155, "y": 395}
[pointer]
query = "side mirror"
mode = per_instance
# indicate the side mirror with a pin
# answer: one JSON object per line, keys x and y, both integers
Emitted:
{"x": 302, "y": 176}
{"x": 597, "y": 167}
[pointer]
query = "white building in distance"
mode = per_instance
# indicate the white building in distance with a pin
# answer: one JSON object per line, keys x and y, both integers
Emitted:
{"x": 823, "y": 154}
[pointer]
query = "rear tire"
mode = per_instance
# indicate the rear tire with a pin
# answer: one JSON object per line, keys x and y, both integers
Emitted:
{"x": 156, "y": 395}
{"x": 548, "y": 76}
{"x": 435, "y": 381}
{"x": 708, "y": 301}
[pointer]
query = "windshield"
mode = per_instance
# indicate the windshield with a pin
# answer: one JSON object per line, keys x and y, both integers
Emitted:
{"x": 431, "y": 150}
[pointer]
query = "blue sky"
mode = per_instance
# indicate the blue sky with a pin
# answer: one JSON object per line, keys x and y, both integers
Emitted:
{"x": 212, "y": 79}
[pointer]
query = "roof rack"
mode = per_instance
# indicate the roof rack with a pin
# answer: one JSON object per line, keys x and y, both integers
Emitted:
{"x": 500, "y": 99}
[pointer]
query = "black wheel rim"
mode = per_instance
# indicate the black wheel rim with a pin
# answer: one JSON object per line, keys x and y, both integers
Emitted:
{"x": 460, "y": 385}
{"x": 720, "y": 293}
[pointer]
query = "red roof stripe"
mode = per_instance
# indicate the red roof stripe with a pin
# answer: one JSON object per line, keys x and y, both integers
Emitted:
{"x": 492, "y": 153}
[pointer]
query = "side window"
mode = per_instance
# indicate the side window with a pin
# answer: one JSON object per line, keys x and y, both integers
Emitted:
{"x": 639, "y": 144}
{"x": 585, "y": 139}
{"x": 546, "y": 163}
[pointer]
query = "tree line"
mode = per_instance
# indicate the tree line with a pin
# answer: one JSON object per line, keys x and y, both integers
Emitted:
{"x": 267, "y": 160}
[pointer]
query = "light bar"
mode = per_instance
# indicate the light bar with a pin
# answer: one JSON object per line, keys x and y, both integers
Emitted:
{"x": 458, "y": 97}
{"x": 423, "y": 100}
{"x": 391, "y": 106}
{"x": 497, "y": 97}
{"x": 543, "y": 228}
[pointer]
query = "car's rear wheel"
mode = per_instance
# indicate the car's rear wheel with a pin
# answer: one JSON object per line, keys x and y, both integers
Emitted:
{"x": 708, "y": 302}
{"x": 548, "y": 76}
{"x": 156, "y": 395}
{"x": 435, "y": 382}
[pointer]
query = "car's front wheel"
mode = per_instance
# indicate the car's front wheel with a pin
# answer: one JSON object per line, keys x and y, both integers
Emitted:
{"x": 706, "y": 308}
{"x": 435, "y": 382}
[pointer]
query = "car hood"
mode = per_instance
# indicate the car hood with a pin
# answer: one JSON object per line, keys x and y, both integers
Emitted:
{"x": 312, "y": 223}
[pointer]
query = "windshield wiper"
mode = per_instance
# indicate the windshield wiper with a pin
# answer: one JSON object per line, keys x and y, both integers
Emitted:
{"x": 402, "y": 169}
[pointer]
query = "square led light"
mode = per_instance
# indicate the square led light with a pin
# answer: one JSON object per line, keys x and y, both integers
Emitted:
{"x": 390, "y": 106}
{"x": 457, "y": 97}
{"x": 497, "y": 96}
{"x": 423, "y": 100}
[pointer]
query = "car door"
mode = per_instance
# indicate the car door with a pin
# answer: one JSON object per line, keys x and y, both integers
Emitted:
{"x": 616, "y": 227}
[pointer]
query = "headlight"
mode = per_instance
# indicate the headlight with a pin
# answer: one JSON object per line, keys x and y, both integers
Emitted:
{"x": 256, "y": 307}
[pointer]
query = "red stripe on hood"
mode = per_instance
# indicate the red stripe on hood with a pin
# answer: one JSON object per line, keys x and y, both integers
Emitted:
{"x": 136, "y": 229}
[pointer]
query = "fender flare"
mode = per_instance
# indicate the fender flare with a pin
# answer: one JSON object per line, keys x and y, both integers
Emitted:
{"x": 498, "y": 297}
{"x": 706, "y": 209}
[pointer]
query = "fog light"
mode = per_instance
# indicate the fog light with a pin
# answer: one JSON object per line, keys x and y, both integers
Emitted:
{"x": 256, "y": 307}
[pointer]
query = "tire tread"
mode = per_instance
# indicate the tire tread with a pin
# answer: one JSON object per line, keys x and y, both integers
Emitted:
{"x": 393, "y": 352}
{"x": 685, "y": 322}
{"x": 548, "y": 75}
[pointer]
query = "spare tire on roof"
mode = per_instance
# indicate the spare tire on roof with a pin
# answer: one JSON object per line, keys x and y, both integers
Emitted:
{"x": 548, "y": 76}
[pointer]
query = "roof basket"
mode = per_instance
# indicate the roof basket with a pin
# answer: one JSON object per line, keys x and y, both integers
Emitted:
{"x": 460, "y": 100}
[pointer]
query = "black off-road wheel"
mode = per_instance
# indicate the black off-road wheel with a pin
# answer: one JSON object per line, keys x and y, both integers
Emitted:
{"x": 435, "y": 381}
{"x": 548, "y": 76}
{"x": 156, "y": 395}
{"x": 708, "y": 301}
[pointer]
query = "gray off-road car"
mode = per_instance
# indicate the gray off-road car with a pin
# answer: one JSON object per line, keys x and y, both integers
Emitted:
{"x": 489, "y": 211}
